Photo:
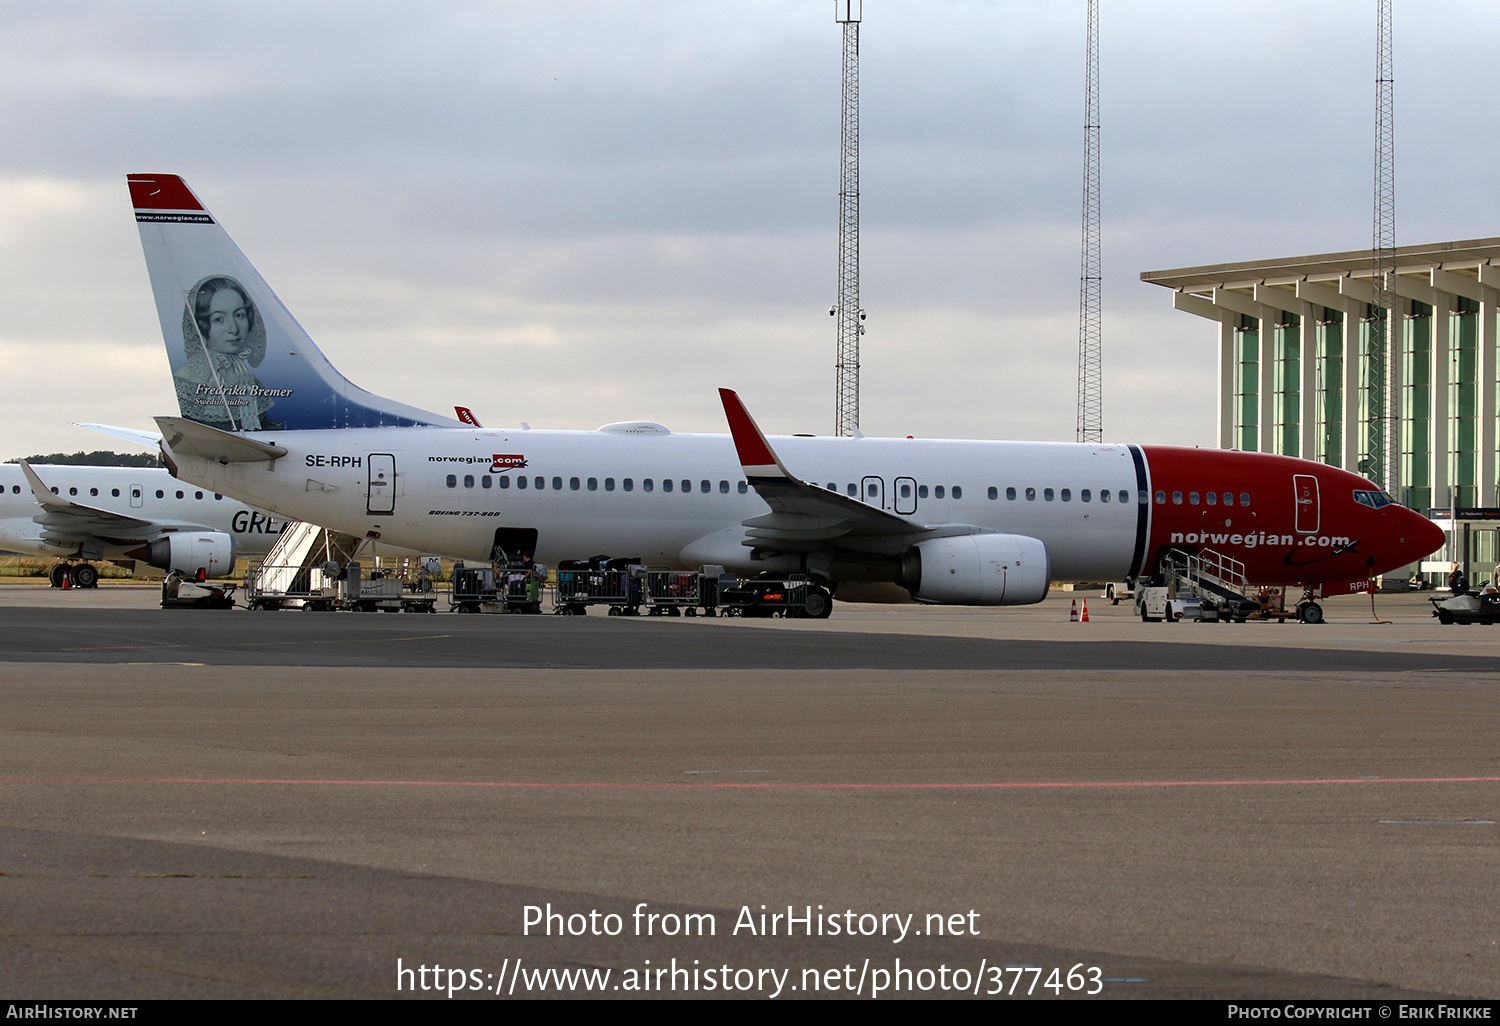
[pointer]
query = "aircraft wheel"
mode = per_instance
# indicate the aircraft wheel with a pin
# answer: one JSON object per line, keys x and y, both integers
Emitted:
{"x": 57, "y": 573}
{"x": 1312, "y": 613}
{"x": 818, "y": 605}
{"x": 85, "y": 576}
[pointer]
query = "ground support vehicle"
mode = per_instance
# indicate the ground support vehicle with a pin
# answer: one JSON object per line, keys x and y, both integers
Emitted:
{"x": 269, "y": 587}
{"x": 1207, "y": 586}
{"x": 177, "y": 592}
{"x": 1271, "y": 605}
{"x": 777, "y": 595}
{"x": 1114, "y": 591}
{"x": 510, "y": 587}
{"x": 617, "y": 583}
{"x": 1163, "y": 603}
{"x": 1481, "y": 606}
{"x": 331, "y": 587}
{"x": 384, "y": 591}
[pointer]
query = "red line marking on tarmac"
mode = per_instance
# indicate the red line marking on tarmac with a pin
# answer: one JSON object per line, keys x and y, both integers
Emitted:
{"x": 1058, "y": 785}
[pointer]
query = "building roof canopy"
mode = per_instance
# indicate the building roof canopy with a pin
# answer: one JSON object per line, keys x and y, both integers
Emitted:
{"x": 1457, "y": 257}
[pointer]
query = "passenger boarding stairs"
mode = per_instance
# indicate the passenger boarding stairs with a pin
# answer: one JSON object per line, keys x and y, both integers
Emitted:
{"x": 287, "y": 569}
{"x": 1210, "y": 576}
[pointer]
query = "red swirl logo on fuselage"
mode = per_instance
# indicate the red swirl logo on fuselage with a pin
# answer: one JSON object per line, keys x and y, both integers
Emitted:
{"x": 507, "y": 461}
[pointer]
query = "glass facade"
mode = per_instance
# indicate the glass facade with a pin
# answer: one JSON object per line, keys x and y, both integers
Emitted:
{"x": 1288, "y": 384}
{"x": 1247, "y": 385}
{"x": 1416, "y": 409}
{"x": 1331, "y": 389}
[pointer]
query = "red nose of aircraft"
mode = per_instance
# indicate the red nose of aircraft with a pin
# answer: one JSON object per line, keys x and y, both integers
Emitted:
{"x": 1416, "y": 538}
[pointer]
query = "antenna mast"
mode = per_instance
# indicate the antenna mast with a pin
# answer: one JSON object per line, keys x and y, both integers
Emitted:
{"x": 1384, "y": 458}
{"x": 847, "y": 310}
{"x": 1090, "y": 332}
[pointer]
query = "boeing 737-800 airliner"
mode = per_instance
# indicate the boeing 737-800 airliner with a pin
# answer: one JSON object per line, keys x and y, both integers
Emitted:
{"x": 265, "y": 417}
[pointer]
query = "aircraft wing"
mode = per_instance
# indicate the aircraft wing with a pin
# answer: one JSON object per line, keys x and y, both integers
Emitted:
{"x": 805, "y": 516}
{"x": 66, "y": 521}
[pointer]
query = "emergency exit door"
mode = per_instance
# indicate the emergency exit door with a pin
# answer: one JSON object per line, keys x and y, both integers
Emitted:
{"x": 381, "y": 499}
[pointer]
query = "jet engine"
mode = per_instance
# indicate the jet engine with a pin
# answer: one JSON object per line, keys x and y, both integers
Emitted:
{"x": 191, "y": 551}
{"x": 977, "y": 570}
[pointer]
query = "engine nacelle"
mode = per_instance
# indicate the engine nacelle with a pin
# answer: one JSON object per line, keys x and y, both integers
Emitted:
{"x": 977, "y": 570}
{"x": 190, "y": 551}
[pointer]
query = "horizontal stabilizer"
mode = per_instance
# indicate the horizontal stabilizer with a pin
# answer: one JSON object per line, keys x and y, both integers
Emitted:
{"x": 189, "y": 438}
{"x": 150, "y": 439}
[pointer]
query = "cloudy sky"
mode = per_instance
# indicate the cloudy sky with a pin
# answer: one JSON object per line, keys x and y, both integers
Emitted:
{"x": 568, "y": 214}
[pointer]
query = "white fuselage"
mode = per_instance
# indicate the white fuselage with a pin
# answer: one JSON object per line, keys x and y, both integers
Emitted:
{"x": 147, "y": 494}
{"x": 602, "y": 492}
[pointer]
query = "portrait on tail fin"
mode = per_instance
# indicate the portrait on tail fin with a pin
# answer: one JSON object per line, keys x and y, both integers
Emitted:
{"x": 223, "y": 337}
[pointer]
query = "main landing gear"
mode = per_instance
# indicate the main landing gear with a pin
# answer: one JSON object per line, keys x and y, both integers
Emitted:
{"x": 77, "y": 575}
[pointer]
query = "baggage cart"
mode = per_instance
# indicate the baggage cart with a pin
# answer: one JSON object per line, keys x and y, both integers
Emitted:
{"x": 619, "y": 584}
{"x": 673, "y": 592}
{"x": 511, "y": 587}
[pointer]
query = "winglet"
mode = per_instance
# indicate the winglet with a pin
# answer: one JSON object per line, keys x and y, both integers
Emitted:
{"x": 42, "y": 493}
{"x": 467, "y": 416}
{"x": 757, "y": 458}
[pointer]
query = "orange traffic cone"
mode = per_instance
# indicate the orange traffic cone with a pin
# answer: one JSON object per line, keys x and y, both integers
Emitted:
{"x": 1085, "y": 617}
{"x": 1073, "y": 616}
{"x": 67, "y": 581}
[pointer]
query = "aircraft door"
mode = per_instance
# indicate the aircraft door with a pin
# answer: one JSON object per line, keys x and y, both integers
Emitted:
{"x": 1308, "y": 508}
{"x": 872, "y": 491}
{"x": 137, "y": 492}
{"x": 382, "y": 487}
{"x": 906, "y": 496}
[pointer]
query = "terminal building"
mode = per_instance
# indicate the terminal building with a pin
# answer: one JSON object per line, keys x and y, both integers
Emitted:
{"x": 1294, "y": 339}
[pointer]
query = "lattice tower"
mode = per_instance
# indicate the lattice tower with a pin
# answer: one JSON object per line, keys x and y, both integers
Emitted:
{"x": 1090, "y": 280}
{"x": 847, "y": 310}
{"x": 1384, "y": 466}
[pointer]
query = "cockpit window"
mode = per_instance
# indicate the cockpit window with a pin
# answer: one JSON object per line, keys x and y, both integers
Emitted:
{"x": 1373, "y": 499}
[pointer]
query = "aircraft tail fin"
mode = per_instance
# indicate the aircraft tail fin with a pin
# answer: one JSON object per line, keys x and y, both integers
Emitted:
{"x": 240, "y": 361}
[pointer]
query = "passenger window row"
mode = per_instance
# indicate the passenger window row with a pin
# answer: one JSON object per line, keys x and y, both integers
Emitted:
{"x": 115, "y": 492}
{"x": 627, "y": 484}
{"x": 1206, "y": 499}
{"x": 872, "y": 491}
{"x": 1066, "y": 495}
